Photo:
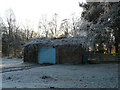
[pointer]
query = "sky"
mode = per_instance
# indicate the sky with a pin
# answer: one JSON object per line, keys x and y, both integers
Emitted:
{"x": 29, "y": 12}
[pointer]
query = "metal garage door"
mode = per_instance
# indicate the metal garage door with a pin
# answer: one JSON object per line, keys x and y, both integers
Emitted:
{"x": 46, "y": 55}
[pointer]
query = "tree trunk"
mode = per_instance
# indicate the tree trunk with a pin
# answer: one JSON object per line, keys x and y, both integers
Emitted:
{"x": 14, "y": 51}
{"x": 107, "y": 50}
{"x": 8, "y": 49}
{"x": 116, "y": 45}
{"x": 110, "y": 49}
{"x": 116, "y": 48}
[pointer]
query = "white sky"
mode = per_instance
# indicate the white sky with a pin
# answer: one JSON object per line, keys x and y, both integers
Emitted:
{"x": 30, "y": 11}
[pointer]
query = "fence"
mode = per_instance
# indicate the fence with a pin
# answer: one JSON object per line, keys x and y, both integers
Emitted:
{"x": 101, "y": 57}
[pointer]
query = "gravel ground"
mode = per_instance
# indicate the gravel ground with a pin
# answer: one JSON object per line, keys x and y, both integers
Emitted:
{"x": 64, "y": 76}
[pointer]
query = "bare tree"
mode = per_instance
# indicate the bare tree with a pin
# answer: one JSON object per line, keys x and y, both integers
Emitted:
{"x": 65, "y": 26}
{"x": 43, "y": 27}
{"x": 10, "y": 24}
{"x": 55, "y": 23}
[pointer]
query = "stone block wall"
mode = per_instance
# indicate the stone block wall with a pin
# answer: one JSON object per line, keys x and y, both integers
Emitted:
{"x": 69, "y": 54}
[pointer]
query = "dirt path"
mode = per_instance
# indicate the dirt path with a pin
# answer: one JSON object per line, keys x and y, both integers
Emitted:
{"x": 10, "y": 62}
{"x": 10, "y": 69}
{"x": 9, "y": 65}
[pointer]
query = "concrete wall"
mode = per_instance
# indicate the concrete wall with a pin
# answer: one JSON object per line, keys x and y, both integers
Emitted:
{"x": 30, "y": 54}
